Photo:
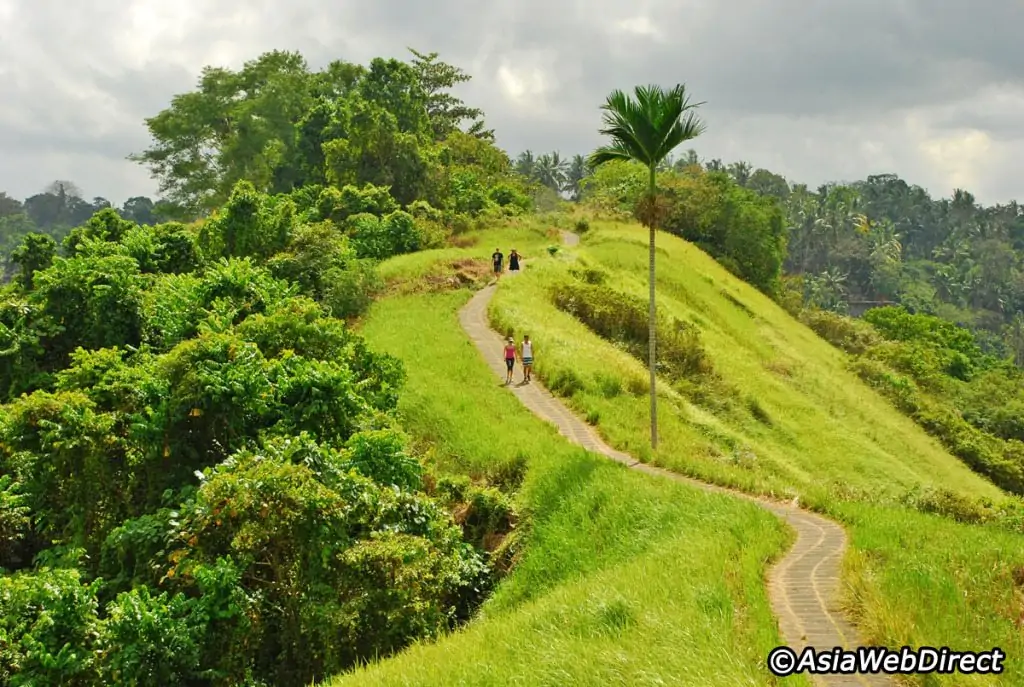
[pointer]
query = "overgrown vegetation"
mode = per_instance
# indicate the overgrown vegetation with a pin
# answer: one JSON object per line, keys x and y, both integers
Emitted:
{"x": 207, "y": 478}
{"x": 202, "y": 479}
{"x": 935, "y": 372}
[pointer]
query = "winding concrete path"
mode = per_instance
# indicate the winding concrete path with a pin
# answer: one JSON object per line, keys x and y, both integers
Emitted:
{"x": 803, "y": 586}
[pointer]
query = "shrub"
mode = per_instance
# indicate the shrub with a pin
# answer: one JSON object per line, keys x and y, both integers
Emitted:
{"x": 48, "y": 625}
{"x": 349, "y": 292}
{"x": 846, "y": 333}
{"x": 589, "y": 275}
{"x": 565, "y": 382}
{"x": 622, "y": 319}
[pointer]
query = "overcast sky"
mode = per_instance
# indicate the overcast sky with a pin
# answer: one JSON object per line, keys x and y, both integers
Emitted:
{"x": 814, "y": 90}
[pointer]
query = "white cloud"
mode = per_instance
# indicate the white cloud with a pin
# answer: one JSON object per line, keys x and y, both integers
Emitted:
{"x": 523, "y": 83}
{"x": 639, "y": 25}
{"x": 962, "y": 157}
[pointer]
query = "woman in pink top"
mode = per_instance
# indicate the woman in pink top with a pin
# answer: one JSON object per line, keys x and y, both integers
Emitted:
{"x": 510, "y": 358}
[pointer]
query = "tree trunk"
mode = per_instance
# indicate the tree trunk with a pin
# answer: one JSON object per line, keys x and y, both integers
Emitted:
{"x": 652, "y": 321}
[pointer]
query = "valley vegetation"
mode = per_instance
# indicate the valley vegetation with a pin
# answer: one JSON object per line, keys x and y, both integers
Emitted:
{"x": 202, "y": 479}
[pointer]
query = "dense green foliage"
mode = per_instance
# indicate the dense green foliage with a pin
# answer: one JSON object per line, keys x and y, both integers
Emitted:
{"x": 740, "y": 228}
{"x": 202, "y": 480}
{"x": 937, "y": 373}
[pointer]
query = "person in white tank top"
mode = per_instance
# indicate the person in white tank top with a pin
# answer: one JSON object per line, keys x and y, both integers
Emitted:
{"x": 527, "y": 358}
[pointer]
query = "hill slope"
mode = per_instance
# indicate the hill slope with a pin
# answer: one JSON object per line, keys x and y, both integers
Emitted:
{"x": 817, "y": 431}
{"x": 821, "y": 430}
{"x": 616, "y": 572}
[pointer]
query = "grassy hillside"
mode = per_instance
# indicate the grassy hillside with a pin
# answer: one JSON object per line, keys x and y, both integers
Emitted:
{"x": 785, "y": 417}
{"x": 622, "y": 579}
{"x": 586, "y": 603}
{"x": 825, "y": 430}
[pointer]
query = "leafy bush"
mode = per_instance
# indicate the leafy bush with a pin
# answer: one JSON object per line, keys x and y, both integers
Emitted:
{"x": 848, "y": 334}
{"x": 1000, "y": 461}
{"x": 202, "y": 481}
{"x": 623, "y": 319}
{"x": 323, "y": 595}
{"x": 48, "y": 628}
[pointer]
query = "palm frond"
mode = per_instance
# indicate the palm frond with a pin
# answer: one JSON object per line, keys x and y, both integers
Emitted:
{"x": 647, "y": 126}
{"x": 608, "y": 154}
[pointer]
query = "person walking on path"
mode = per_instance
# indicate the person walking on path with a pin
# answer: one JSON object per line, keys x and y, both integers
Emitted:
{"x": 510, "y": 358}
{"x": 513, "y": 261}
{"x": 497, "y": 259}
{"x": 527, "y": 358}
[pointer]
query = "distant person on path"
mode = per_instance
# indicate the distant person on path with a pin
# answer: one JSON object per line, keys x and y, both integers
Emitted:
{"x": 497, "y": 259}
{"x": 527, "y": 358}
{"x": 513, "y": 261}
{"x": 510, "y": 358}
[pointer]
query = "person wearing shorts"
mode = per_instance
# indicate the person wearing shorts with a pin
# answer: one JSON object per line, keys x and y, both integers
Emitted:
{"x": 497, "y": 259}
{"x": 510, "y": 358}
{"x": 527, "y": 358}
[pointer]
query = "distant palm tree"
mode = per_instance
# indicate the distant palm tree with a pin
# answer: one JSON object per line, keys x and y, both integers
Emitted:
{"x": 579, "y": 170}
{"x": 740, "y": 172}
{"x": 646, "y": 129}
{"x": 526, "y": 164}
{"x": 1014, "y": 334}
{"x": 551, "y": 171}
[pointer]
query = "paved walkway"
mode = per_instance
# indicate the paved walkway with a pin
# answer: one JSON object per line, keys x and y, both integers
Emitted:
{"x": 803, "y": 586}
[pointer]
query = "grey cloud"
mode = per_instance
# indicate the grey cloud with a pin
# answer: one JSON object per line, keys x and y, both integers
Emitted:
{"x": 793, "y": 86}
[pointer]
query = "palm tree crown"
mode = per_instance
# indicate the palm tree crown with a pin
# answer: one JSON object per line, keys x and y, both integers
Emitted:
{"x": 648, "y": 127}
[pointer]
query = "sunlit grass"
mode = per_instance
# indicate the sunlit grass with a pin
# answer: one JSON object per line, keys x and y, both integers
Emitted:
{"x": 913, "y": 579}
{"x": 624, "y": 579}
{"x": 528, "y": 236}
{"x": 827, "y": 427}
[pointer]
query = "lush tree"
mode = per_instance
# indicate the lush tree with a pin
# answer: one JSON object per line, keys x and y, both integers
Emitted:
{"x": 36, "y": 252}
{"x": 646, "y": 130}
{"x": 446, "y": 111}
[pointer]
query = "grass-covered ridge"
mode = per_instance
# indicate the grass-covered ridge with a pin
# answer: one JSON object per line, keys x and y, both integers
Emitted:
{"x": 824, "y": 429}
{"x": 622, "y": 579}
{"x": 819, "y": 433}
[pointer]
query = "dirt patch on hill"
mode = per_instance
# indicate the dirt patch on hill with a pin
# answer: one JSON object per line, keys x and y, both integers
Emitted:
{"x": 445, "y": 276}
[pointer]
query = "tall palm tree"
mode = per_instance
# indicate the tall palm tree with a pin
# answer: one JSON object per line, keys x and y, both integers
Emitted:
{"x": 646, "y": 129}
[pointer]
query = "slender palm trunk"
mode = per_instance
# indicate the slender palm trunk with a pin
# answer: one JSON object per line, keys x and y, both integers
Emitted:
{"x": 652, "y": 321}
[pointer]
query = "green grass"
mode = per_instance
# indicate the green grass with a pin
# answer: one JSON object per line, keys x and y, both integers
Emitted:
{"x": 529, "y": 236}
{"x": 923, "y": 580}
{"x": 828, "y": 429}
{"x": 912, "y": 578}
{"x": 623, "y": 579}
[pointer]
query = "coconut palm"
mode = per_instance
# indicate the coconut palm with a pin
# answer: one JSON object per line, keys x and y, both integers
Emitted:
{"x": 550, "y": 171}
{"x": 526, "y": 164}
{"x": 578, "y": 171}
{"x": 646, "y": 129}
